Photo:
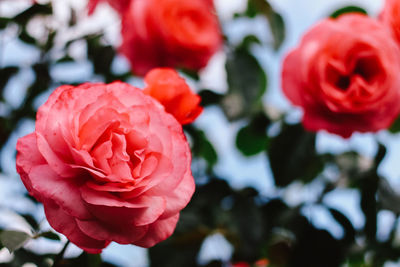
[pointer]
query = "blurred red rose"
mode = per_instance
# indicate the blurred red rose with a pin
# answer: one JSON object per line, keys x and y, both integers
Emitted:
{"x": 241, "y": 264}
{"x": 108, "y": 164}
{"x": 174, "y": 94}
{"x": 170, "y": 33}
{"x": 390, "y": 16}
{"x": 261, "y": 263}
{"x": 345, "y": 76}
{"x": 118, "y": 5}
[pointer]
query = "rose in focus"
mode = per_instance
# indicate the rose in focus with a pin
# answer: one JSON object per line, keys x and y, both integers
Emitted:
{"x": 169, "y": 33}
{"x": 108, "y": 164}
{"x": 345, "y": 76}
{"x": 174, "y": 94}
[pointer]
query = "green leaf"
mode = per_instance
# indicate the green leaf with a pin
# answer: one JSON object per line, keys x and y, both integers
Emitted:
{"x": 252, "y": 139}
{"x": 380, "y": 154}
{"x": 202, "y": 147}
{"x": 49, "y": 235}
{"x": 3, "y": 22}
{"x": 34, "y": 10}
{"x": 369, "y": 188}
{"x": 348, "y": 228}
{"x": 26, "y": 37}
{"x": 101, "y": 64}
{"x": 292, "y": 156}
{"x": 389, "y": 198}
{"x": 13, "y": 240}
{"x": 209, "y": 97}
{"x": 276, "y": 22}
{"x": 247, "y": 82}
{"x": 249, "y": 40}
{"x": 277, "y": 25}
{"x": 395, "y": 127}
{"x": 348, "y": 9}
{"x": 5, "y": 75}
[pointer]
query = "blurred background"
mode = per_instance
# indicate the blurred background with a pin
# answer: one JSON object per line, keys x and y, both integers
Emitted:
{"x": 266, "y": 189}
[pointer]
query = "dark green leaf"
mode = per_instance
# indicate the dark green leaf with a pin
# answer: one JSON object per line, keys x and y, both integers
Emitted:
{"x": 209, "y": 97}
{"x": 395, "y": 127}
{"x": 277, "y": 25}
{"x": 276, "y": 22}
{"x": 388, "y": 197}
{"x": 249, "y": 40}
{"x": 202, "y": 147}
{"x": 4, "y": 22}
{"x": 348, "y": 228}
{"x": 34, "y": 10}
{"x": 50, "y": 235}
{"x": 13, "y": 240}
{"x": 101, "y": 64}
{"x": 26, "y": 37}
{"x": 5, "y": 74}
{"x": 348, "y": 9}
{"x": 31, "y": 220}
{"x": 89, "y": 260}
{"x": 247, "y": 82}
{"x": 379, "y": 155}
{"x": 292, "y": 155}
{"x": 191, "y": 73}
{"x": 369, "y": 188}
{"x": 252, "y": 139}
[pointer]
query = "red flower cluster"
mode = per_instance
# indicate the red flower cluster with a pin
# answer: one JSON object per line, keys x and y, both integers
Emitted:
{"x": 109, "y": 163}
{"x": 344, "y": 74}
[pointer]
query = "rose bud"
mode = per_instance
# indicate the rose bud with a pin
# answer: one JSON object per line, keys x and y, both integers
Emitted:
{"x": 174, "y": 94}
{"x": 345, "y": 76}
{"x": 170, "y": 33}
{"x": 108, "y": 164}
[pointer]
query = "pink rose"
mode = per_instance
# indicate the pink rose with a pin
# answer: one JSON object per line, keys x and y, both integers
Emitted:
{"x": 108, "y": 164}
{"x": 345, "y": 76}
{"x": 170, "y": 33}
{"x": 174, "y": 94}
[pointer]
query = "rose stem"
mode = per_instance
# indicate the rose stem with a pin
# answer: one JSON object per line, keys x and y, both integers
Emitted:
{"x": 60, "y": 255}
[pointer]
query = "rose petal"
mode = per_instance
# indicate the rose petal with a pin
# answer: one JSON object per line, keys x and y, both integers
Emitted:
{"x": 28, "y": 156}
{"x": 66, "y": 224}
{"x": 180, "y": 197}
{"x": 123, "y": 234}
{"x": 63, "y": 191}
{"x": 155, "y": 206}
{"x": 158, "y": 231}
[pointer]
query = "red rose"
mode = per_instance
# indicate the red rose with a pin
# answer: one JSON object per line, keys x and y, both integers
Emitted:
{"x": 118, "y": 5}
{"x": 241, "y": 264}
{"x": 170, "y": 33}
{"x": 108, "y": 164}
{"x": 345, "y": 76}
{"x": 390, "y": 16}
{"x": 174, "y": 94}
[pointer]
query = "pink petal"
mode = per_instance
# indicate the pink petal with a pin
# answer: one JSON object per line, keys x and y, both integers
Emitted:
{"x": 158, "y": 231}
{"x": 180, "y": 197}
{"x": 28, "y": 156}
{"x": 117, "y": 216}
{"x": 123, "y": 234}
{"x": 63, "y": 191}
{"x": 67, "y": 225}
